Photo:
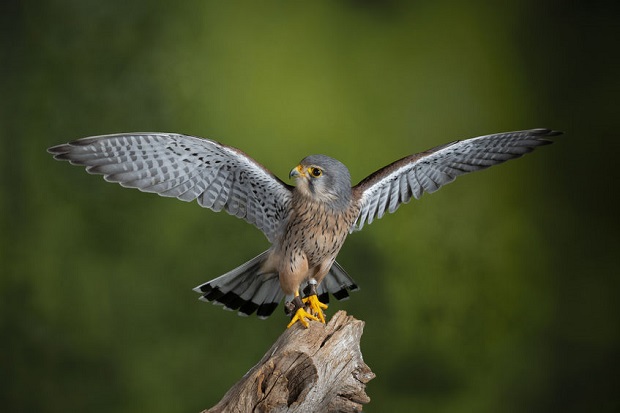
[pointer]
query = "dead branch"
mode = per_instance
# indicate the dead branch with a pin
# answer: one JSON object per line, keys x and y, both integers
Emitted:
{"x": 319, "y": 369}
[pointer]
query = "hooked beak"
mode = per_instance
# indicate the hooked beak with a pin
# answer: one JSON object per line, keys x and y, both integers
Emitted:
{"x": 296, "y": 172}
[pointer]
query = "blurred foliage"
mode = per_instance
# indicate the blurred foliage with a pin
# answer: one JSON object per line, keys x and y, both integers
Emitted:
{"x": 498, "y": 293}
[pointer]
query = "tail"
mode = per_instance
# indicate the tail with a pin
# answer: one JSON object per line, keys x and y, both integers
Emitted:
{"x": 248, "y": 290}
{"x": 337, "y": 283}
{"x": 245, "y": 289}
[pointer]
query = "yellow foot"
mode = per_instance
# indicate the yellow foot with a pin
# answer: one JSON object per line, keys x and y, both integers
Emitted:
{"x": 302, "y": 316}
{"x": 316, "y": 307}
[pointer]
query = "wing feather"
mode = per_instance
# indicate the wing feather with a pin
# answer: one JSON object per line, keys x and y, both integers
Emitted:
{"x": 189, "y": 168}
{"x": 387, "y": 188}
{"x": 385, "y": 197}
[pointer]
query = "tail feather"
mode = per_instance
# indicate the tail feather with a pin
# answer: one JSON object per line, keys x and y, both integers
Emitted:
{"x": 337, "y": 283}
{"x": 248, "y": 290}
{"x": 245, "y": 289}
{"x": 274, "y": 295}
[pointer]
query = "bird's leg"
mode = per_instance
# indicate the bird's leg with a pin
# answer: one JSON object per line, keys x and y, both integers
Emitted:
{"x": 299, "y": 312}
{"x": 312, "y": 300}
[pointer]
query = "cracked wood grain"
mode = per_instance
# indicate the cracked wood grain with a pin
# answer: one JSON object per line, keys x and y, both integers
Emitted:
{"x": 319, "y": 369}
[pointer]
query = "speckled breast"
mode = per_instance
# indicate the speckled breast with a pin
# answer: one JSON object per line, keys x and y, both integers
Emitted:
{"x": 318, "y": 231}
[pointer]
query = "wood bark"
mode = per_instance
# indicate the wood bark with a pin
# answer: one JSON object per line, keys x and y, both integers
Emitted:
{"x": 319, "y": 369}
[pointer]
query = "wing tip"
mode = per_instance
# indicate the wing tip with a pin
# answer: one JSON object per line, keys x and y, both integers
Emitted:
{"x": 58, "y": 149}
{"x": 545, "y": 132}
{"x": 65, "y": 148}
{"x": 542, "y": 137}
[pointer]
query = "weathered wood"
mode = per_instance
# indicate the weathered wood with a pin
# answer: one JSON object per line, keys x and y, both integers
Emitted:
{"x": 319, "y": 369}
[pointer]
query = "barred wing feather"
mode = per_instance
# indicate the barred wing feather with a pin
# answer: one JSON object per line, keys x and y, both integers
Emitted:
{"x": 219, "y": 177}
{"x": 388, "y": 188}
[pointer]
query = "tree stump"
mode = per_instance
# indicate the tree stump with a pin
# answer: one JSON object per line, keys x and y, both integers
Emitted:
{"x": 319, "y": 369}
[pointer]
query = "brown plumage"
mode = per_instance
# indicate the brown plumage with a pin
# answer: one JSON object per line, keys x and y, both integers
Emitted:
{"x": 306, "y": 224}
{"x": 311, "y": 240}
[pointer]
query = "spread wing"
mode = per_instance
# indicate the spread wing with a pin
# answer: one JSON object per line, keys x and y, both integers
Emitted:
{"x": 387, "y": 188}
{"x": 188, "y": 168}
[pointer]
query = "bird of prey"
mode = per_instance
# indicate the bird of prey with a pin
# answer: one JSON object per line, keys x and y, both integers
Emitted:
{"x": 306, "y": 224}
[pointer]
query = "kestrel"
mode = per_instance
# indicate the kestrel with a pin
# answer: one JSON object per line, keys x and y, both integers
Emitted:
{"x": 306, "y": 224}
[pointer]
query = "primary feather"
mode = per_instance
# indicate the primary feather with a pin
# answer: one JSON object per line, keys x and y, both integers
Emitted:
{"x": 188, "y": 168}
{"x": 395, "y": 184}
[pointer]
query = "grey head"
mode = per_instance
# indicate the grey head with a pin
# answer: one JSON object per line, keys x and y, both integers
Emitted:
{"x": 323, "y": 179}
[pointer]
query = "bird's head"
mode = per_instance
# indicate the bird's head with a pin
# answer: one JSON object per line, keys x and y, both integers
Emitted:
{"x": 323, "y": 179}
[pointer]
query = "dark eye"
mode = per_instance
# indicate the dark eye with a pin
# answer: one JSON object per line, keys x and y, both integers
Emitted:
{"x": 314, "y": 171}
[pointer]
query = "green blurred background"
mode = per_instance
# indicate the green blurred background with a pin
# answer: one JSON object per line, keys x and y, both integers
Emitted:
{"x": 498, "y": 293}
